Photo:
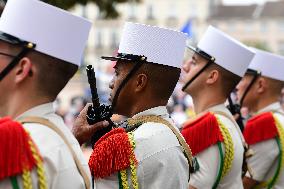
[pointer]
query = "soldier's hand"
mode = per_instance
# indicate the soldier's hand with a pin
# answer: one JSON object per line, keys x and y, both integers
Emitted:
{"x": 82, "y": 130}
{"x": 236, "y": 116}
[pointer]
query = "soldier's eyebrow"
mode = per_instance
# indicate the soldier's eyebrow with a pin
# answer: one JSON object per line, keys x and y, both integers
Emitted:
{"x": 119, "y": 65}
{"x": 194, "y": 57}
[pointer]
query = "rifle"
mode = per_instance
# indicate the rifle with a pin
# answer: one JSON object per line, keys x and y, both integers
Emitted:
{"x": 97, "y": 112}
{"x": 235, "y": 109}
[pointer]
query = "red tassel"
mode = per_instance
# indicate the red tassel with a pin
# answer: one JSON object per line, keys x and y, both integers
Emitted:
{"x": 111, "y": 154}
{"x": 259, "y": 128}
{"x": 15, "y": 151}
{"x": 202, "y": 133}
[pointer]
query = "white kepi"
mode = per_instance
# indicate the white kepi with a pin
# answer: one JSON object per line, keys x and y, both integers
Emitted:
{"x": 268, "y": 64}
{"x": 155, "y": 44}
{"x": 224, "y": 51}
{"x": 55, "y": 32}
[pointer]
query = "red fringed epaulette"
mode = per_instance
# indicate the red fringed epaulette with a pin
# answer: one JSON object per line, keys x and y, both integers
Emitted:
{"x": 259, "y": 128}
{"x": 202, "y": 133}
{"x": 111, "y": 154}
{"x": 15, "y": 152}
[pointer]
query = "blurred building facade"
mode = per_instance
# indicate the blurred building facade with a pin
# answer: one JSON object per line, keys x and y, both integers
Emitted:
{"x": 105, "y": 35}
{"x": 259, "y": 25}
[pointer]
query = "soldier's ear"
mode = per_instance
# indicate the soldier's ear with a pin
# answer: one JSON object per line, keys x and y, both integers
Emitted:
{"x": 23, "y": 70}
{"x": 141, "y": 82}
{"x": 213, "y": 76}
{"x": 261, "y": 85}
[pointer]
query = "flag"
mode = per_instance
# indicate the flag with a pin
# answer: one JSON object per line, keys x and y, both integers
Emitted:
{"x": 187, "y": 28}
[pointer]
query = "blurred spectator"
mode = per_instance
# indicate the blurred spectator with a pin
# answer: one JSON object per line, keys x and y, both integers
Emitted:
{"x": 180, "y": 106}
{"x": 282, "y": 98}
{"x": 78, "y": 103}
{"x": 2, "y": 5}
{"x": 245, "y": 113}
{"x": 58, "y": 107}
{"x": 178, "y": 115}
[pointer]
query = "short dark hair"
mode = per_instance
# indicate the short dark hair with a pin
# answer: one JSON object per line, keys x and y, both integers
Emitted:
{"x": 162, "y": 79}
{"x": 229, "y": 80}
{"x": 2, "y": 6}
{"x": 53, "y": 73}
{"x": 275, "y": 86}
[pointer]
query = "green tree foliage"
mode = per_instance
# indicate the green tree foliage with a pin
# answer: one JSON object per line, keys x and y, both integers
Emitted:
{"x": 107, "y": 7}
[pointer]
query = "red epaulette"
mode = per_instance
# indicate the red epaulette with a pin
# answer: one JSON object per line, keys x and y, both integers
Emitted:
{"x": 259, "y": 128}
{"x": 15, "y": 152}
{"x": 111, "y": 154}
{"x": 202, "y": 132}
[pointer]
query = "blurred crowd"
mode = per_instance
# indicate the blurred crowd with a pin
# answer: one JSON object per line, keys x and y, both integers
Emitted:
{"x": 180, "y": 105}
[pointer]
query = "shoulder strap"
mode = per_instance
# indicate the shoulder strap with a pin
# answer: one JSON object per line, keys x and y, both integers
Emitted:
{"x": 158, "y": 119}
{"x": 211, "y": 129}
{"x": 52, "y": 126}
{"x": 247, "y": 152}
{"x": 230, "y": 117}
{"x": 228, "y": 158}
{"x": 280, "y": 141}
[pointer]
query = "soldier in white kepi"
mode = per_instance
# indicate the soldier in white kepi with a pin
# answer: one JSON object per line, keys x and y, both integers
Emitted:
{"x": 217, "y": 65}
{"x": 41, "y": 49}
{"x": 260, "y": 91}
{"x": 149, "y": 152}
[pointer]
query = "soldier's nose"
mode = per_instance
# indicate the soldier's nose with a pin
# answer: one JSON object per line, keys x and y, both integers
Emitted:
{"x": 111, "y": 84}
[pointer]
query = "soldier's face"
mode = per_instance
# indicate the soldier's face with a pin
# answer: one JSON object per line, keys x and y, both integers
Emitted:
{"x": 5, "y": 55}
{"x": 5, "y": 83}
{"x": 191, "y": 68}
{"x": 241, "y": 88}
{"x": 123, "y": 103}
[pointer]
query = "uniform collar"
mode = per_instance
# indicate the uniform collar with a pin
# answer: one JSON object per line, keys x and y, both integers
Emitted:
{"x": 271, "y": 107}
{"x": 159, "y": 110}
{"x": 39, "y": 110}
{"x": 219, "y": 108}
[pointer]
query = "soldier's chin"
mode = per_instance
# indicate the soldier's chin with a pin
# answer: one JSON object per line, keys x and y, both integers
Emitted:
{"x": 238, "y": 97}
{"x": 110, "y": 99}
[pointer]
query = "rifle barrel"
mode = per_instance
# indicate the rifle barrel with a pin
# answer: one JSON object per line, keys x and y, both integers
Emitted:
{"x": 92, "y": 82}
